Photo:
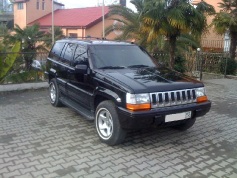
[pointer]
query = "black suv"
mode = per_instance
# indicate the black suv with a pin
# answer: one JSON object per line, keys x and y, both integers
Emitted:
{"x": 121, "y": 87}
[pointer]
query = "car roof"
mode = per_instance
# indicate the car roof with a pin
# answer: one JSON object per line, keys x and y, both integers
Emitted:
{"x": 93, "y": 41}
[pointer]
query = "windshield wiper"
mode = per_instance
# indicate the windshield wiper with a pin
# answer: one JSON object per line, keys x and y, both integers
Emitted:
{"x": 138, "y": 66}
{"x": 112, "y": 67}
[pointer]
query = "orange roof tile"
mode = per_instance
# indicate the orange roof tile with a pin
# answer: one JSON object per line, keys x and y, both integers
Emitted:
{"x": 78, "y": 17}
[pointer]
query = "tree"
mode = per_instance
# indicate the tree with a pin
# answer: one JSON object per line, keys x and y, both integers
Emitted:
{"x": 58, "y": 34}
{"x": 171, "y": 18}
{"x": 131, "y": 21}
{"x": 31, "y": 41}
{"x": 158, "y": 22}
{"x": 226, "y": 21}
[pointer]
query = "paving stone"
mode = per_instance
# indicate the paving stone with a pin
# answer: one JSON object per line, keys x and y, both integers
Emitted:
{"x": 64, "y": 172}
{"x": 105, "y": 172}
{"x": 4, "y": 165}
{"x": 3, "y": 170}
{"x": 119, "y": 174}
{"x": 182, "y": 173}
{"x": 57, "y": 142}
{"x": 16, "y": 167}
{"x": 80, "y": 173}
{"x": 42, "y": 166}
{"x": 28, "y": 170}
{"x": 179, "y": 167}
{"x": 118, "y": 167}
{"x": 157, "y": 174}
{"x": 12, "y": 173}
{"x": 33, "y": 163}
{"x": 81, "y": 166}
{"x": 234, "y": 175}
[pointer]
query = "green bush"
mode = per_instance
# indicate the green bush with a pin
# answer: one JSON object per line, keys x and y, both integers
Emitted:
{"x": 6, "y": 63}
{"x": 23, "y": 77}
{"x": 231, "y": 66}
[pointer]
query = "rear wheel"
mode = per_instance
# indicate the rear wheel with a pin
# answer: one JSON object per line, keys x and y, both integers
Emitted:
{"x": 107, "y": 124}
{"x": 185, "y": 125}
{"x": 54, "y": 93}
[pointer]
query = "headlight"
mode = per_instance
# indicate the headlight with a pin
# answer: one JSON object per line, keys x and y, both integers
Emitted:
{"x": 200, "y": 95}
{"x": 138, "y": 101}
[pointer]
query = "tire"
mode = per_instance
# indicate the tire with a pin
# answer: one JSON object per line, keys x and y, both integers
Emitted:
{"x": 107, "y": 124}
{"x": 54, "y": 93}
{"x": 185, "y": 125}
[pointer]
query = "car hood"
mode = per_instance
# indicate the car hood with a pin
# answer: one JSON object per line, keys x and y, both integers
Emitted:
{"x": 148, "y": 80}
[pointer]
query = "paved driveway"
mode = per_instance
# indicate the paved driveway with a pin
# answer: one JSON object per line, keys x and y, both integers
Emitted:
{"x": 38, "y": 140}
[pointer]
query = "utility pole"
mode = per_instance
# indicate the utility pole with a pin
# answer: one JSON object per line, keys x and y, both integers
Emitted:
{"x": 52, "y": 22}
{"x": 103, "y": 18}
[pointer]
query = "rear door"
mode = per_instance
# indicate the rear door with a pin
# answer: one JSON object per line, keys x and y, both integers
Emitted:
{"x": 55, "y": 65}
{"x": 65, "y": 65}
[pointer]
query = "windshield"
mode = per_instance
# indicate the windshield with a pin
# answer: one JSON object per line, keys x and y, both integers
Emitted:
{"x": 119, "y": 56}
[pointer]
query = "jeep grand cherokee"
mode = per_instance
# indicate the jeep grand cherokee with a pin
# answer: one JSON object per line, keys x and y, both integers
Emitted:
{"x": 121, "y": 87}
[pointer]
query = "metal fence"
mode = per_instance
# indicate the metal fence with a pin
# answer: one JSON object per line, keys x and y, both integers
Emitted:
{"x": 195, "y": 64}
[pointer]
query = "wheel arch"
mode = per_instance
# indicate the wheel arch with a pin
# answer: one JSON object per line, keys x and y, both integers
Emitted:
{"x": 105, "y": 94}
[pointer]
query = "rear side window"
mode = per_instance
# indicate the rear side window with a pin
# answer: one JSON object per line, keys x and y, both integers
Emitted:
{"x": 56, "y": 51}
{"x": 69, "y": 53}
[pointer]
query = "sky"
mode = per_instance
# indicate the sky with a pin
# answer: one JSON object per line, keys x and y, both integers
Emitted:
{"x": 89, "y": 3}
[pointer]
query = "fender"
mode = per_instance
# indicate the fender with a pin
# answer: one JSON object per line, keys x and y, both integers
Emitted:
{"x": 106, "y": 93}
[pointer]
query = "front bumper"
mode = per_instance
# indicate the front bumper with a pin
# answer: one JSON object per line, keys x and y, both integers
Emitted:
{"x": 145, "y": 119}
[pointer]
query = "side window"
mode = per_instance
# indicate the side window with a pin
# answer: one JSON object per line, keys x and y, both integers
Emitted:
{"x": 69, "y": 52}
{"x": 80, "y": 56}
{"x": 56, "y": 51}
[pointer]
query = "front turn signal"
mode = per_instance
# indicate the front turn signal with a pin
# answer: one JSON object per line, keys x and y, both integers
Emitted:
{"x": 201, "y": 99}
{"x": 137, "y": 107}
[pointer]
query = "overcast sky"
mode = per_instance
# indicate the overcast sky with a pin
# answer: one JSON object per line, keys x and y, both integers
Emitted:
{"x": 89, "y": 3}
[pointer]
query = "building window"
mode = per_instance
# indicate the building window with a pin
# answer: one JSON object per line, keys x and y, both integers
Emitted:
{"x": 73, "y": 35}
{"x": 20, "y": 6}
{"x": 37, "y": 5}
{"x": 43, "y": 4}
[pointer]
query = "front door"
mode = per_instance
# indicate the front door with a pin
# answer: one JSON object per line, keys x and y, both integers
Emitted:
{"x": 79, "y": 88}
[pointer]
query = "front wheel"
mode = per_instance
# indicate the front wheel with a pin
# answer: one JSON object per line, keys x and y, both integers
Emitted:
{"x": 107, "y": 124}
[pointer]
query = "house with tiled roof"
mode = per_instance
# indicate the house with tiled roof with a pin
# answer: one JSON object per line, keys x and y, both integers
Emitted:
{"x": 211, "y": 41}
{"x": 27, "y": 11}
{"x": 77, "y": 22}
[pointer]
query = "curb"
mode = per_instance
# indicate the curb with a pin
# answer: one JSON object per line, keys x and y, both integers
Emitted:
{"x": 231, "y": 77}
{"x": 23, "y": 86}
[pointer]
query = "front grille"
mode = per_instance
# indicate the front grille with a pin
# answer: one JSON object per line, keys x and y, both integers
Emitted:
{"x": 172, "y": 98}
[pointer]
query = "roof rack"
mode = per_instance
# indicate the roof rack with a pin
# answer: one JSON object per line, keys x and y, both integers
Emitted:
{"x": 97, "y": 38}
{"x": 86, "y": 37}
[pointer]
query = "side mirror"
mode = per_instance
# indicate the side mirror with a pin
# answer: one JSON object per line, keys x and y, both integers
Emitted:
{"x": 81, "y": 68}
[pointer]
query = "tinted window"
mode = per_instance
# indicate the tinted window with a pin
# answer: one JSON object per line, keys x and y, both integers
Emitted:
{"x": 56, "y": 51}
{"x": 69, "y": 52}
{"x": 80, "y": 56}
{"x": 119, "y": 55}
